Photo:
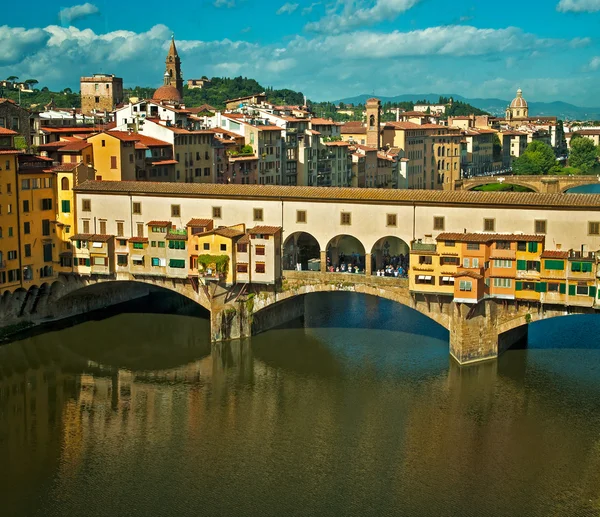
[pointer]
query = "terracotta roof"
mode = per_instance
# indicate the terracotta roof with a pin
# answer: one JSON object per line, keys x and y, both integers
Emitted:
{"x": 489, "y": 237}
{"x": 269, "y": 128}
{"x": 227, "y": 232}
{"x": 4, "y": 131}
{"x": 161, "y": 224}
{"x": 141, "y": 146}
{"x": 149, "y": 141}
{"x": 359, "y": 195}
{"x": 66, "y": 167}
{"x": 250, "y": 157}
{"x": 124, "y": 136}
{"x": 555, "y": 254}
{"x": 265, "y": 230}
{"x": 199, "y": 223}
{"x": 353, "y": 129}
{"x": 166, "y": 162}
{"x": 200, "y": 109}
{"x": 138, "y": 239}
{"x": 71, "y": 147}
{"x": 245, "y": 239}
{"x": 100, "y": 238}
{"x": 81, "y": 237}
{"x": 312, "y": 132}
{"x": 85, "y": 130}
{"x": 403, "y": 125}
{"x": 337, "y": 144}
{"x": 167, "y": 93}
{"x": 588, "y": 132}
{"x": 323, "y": 122}
{"x": 11, "y": 151}
{"x": 470, "y": 274}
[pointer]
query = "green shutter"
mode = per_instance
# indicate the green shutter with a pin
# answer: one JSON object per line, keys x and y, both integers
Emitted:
{"x": 66, "y": 206}
{"x": 541, "y": 287}
{"x": 562, "y": 288}
{"x": 554, "y": 265}
{"x": 519, "y": 286}
{"x": 172, "y": 244}
{"x": 532, "y": 247}
{"x": 576, "y": 267}
{"x": 572, "y": 290}
{"x": 87, "y": 262}
{"x": 177, "y": 263}
{"x": 586, "y": 267}
{"x": 593, "y": 291}
{"x": 521, "y": 265}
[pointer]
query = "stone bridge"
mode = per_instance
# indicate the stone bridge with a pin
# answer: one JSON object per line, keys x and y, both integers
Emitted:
{"x": 542, "y": 184}
{"x": 478, "y": 332}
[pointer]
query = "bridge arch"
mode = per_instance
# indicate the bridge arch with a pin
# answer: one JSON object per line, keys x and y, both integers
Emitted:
{"x": 345, "y": 250}
{"x": 510, "y": 182}
{"x": 390, "y": 250}
{"x": 301, "y": 248}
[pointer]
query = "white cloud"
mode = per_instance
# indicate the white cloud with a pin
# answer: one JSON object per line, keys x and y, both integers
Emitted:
{"x": 355, "y": 13}
{"x": 309, "y": 9}
{"x": 578, "y": 6}
{"x": 594, "y": 63}
{"x": 69, "y": 14}
{"x": 17, "y": 42}
{"x": 224, "y": 3}
{"x": 287, "y": 8}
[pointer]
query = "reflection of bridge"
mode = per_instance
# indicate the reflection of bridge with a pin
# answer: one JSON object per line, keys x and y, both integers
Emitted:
{"x": 543, "y": 184}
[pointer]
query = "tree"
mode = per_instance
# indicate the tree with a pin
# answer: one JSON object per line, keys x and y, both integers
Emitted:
{"x": 12, "y": 78}
{"x": 538, "y": 159}
{"x": 67, "y": 90}
{"x": 32, "y": 82}
{"x": 583, "y": 154}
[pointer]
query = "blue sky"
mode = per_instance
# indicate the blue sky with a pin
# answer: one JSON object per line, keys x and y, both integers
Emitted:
{"x": 326, "y": 49}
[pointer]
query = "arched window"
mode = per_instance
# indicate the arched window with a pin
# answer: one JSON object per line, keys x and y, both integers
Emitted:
{"x": 372, "y": 121}
{"x": 64, "y": 184}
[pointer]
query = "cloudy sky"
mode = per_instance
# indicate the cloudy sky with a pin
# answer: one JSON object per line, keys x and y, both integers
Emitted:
{"x": 326, "y": 49}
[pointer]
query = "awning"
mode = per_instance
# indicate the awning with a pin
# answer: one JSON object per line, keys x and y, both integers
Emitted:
{"x": 137, "y": 257}
{"x": 447, "y": 279}
{"x": 427, "y": 278}
{"x": 420, "y": 277}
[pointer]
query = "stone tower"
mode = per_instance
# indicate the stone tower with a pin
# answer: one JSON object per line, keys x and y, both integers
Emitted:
{"x": 173, "y": 75}
{"x": 373, "y": 123}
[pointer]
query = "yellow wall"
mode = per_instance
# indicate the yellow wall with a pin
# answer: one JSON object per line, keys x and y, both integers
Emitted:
{"x": 124, "y": 153}
{"x": 214, "y": 241}
{"x": 8, "y": 164}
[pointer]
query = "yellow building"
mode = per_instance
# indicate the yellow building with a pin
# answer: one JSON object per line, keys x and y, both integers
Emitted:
{"x": 529, "y": 267}
{"x": 114, "y": 155}
{"x": 10, "y": 255}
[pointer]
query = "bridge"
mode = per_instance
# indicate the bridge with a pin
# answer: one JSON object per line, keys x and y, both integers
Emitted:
{"x": 477, "y": 332}
{"x": 540, "y": 184}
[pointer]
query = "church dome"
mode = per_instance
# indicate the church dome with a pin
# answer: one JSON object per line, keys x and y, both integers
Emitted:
{"x": 519, "y": 101}
{"x": 167, "y": 93}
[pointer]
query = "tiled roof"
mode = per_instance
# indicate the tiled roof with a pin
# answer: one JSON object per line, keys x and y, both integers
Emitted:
{"x": 323, "y": 122}
{"x": 166, "y": 162}
{"x": 489, "y": 237}
{"x": 100, "y": 238}
{"x": 249, "y": 157}
{"x": 11, "y": 151}
{"x": 265, "y": 230}
{"x": 74, "y": 146}
{"x": 81, "y": 237}
{"x": 149, "y": 141}
{"x": 199, "y": 223}
{"x": 4, "y": 131}
{"x": 65, "y": 167}
{"x": 337, "y": 144}
{"x": 223, "y": 232}
{"x": 124, "y": 136}
{"x": 160, "y": 224}
{"x": 349, "y": 195}
{"x": 245, "y": 239}
{"x": 555, "y": 254}
{"x": 138, "y": 239}
{"x": 470, "y": 274}
{"x": 84, "y": 130}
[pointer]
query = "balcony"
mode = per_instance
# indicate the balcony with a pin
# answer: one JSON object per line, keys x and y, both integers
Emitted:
{"x": 421, "y": 246}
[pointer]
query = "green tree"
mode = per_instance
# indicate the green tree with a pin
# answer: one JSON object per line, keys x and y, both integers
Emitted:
{"x": 12, "y": 78}
{"x": 32, "y": 82}
{"x": 583, "y": 154}
{"x": 538, "y": 159}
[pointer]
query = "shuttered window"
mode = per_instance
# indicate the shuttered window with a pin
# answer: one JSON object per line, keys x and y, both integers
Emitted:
{"x": 554, "y": 265}
{"x": 572, "y": 290}
{"x": 66, "y": 206}
{"x": 532, "y": 247}
{"x": 519, "y": 286}
{"x": 562, "y": 288}
{"x": 177, "y": 263}
{"x": 521, "y": 265}
{"x": 177, "y": 245}
{"x": 541, "y": 287}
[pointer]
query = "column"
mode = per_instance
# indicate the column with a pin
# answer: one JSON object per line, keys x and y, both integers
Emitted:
{"x": 323, "y": 261}
{"x": 368, "y": 265}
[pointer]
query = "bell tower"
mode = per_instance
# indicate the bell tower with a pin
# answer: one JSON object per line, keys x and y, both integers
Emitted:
{"x": 373, "y": 109}
{"x": 173, "y": 70}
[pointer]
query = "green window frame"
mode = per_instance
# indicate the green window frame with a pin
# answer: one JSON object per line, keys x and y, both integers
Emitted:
{"x": 586, "y": 267}
{"x": 161, "y": 244}
{"x": 177, "y": 245}
{"x": 572, "y": 290}
{"x": 87, "y": 262}
{"x": 177, "y": 263}
{"x": 562, "y": 288}
{"x": 576, "y": 267}
{"x": 65, "y": 206}
{"x": 155, "y": 262}
{"x": 521, "y": 265}
{"x": 153, "y": 244}
{"x": 593, "y": 291}
{"x": 541, "y": 287}
{"x": 554, "y": 265}
{"x": 519, "y": 286}
{"x": 532, "y": 247}
{"x": 138, "y": 245}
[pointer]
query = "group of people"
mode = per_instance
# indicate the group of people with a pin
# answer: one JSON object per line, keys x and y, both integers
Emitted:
{"x": 342, "y": 268}
{"x": 398, "y": 272}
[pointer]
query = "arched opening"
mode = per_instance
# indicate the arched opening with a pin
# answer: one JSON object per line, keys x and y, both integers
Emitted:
{"x": 301, "y": 252}
{"x": 390, "y": 256}
{"x": 372, "y": 121}
{"x": 64, "y": 184}
{"x": 502, "y": 187}
{"x": 345, "y": 254}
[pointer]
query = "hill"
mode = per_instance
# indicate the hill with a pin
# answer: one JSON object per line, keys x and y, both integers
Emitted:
{"x": 562, "y": 110}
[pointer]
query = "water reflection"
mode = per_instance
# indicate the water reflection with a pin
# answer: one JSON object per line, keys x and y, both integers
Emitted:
{"x": 138, "y": 415}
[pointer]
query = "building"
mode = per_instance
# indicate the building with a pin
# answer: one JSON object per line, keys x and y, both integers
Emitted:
{"x": 436, "y": 109}
{"x": 197, "y": 84}
{"x": 518, "y": 109}
{"x": 100, "y": 93}
{"x": 114, "y": 155}
{"x": 16, "y": 118}
{"x": 373, "y": 108}
{"x": 257, "y": 99}
{"x": 171, "y": 91}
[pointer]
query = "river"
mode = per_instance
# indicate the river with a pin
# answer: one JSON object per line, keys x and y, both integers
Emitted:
{"x": 358, "y": 412}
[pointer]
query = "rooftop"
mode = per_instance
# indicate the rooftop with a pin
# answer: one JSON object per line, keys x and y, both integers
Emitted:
{"x": 489, "y": 237}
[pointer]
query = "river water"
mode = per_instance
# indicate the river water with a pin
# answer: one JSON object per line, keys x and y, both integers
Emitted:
{"x": 358, "y": 412}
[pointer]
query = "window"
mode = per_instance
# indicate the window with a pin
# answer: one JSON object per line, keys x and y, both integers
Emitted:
{"x": 46, "y": 227}
{"x": 540, "y": 226}
{"x": 47, "y": 252}
{"x": 301, "y": 216}
{"x": 138, "y": 245}
{"x": 475, "y": 262}
{"x": 532, "y": 247}
{"x": 176, "y": 245}
{"x": 425, "y": 259}
{"x": 102, "y": 227}
{"x": 9, "y": 209}
{"x": 177, "y": 263}
{"x": 258, "y": 214}
{"x": 140, "y": 229}
{"x": 392, "y": 220}
{"x": 216, "y": 212}
{"x": 65, "y": 206}
{"x": 175, "y": 210}
{"x": 505, "y": 283}
{"x": 153, "y": 244}
{"x": 449, "y": 261}
{"x": 449, "y": 244}
{"x": 425, "y": 279}
{"x": 439, "y": 223}
{"x": 242, "y": 268}
{"x": 503, "y": 263}
{"x": 86, "y": 205}
{"x": 137, "y": 208}
{"x": 25, "y": 206}
{"x": 100, "y": 261}
{"x": 242, "y": 248}
{"x": 260, "y": 250}
{"x": 131, "y": 158}
{"x": 554, "y": 265}
{"x": 12, "y": 255}
{"x": 553, "y": 287}
{"x": 594, "y": 228}
{"x": 223, "y": 247}
{"x": 206, "y": 246}
{"x": 161, "y": 244}
{"x": 528, "y": 265}
{"x": 346, "y": 218}
{"x": 121, "y": 260}
{"x": 28, "y": 250}
{"x": 473, "y": 246}
{"x": 446, "y": 280}
{"x": 582, "y": 289}
{"x": 465, "y": 286}
{"x": 113, "y": 162}
{"x": 26, "y": 228}
{"x": 521, "y": 246}
{"x": 155, "y": 262}
{"x": 122, "y": 242}
{"x": 10, "y": 231}
{"x": 86, "y": 226}
{"x": 503, "y": 245}
{"x": 8, "y": 188}
{"x": 120, "y": 228}
{"x": 64, "y": 184}
{"x": 489, "y": 225}
{"x": 260, "y": 267}
{"x": 466, "y": 262}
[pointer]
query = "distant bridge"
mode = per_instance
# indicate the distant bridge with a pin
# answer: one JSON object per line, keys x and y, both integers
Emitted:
{"x": 541, "y": 184}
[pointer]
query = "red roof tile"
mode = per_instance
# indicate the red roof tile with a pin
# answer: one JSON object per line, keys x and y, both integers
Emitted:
{"x": 265, "y": 230}
{"x": 161, "y": 224}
